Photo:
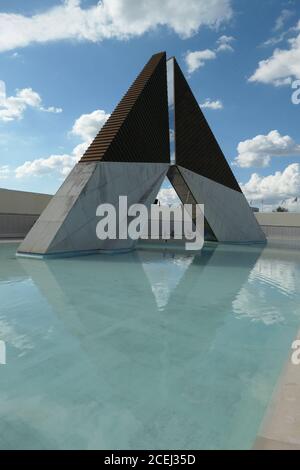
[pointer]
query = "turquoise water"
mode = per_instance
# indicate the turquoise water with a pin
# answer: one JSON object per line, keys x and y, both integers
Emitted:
{"x": 155, "y": 349}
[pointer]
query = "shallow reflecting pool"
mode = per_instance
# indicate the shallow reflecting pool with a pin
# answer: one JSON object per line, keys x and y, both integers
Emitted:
{"x": 155, "y": 349}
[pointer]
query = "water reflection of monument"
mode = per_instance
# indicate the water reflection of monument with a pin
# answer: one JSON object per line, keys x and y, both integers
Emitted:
{"x": 131, "y": 156}
{"x": 113, "y": 358}
{"x": 157, "y": 365}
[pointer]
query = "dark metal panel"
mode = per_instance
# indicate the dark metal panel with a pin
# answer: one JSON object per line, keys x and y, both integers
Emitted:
{"x": 195, "y": 145}
{"x": 138, "y": 129}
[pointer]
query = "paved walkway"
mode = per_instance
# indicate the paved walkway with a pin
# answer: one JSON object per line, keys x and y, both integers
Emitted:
{"x": 281, "y": 426}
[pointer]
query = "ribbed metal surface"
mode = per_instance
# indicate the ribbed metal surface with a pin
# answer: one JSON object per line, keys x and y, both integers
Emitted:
{"x": 137, "y": 130}
{"x": 195, "y": 145}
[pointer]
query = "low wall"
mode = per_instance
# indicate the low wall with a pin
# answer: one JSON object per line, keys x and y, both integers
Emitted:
{"x": 280, "y": 225}
{"x": 19, "y": 210}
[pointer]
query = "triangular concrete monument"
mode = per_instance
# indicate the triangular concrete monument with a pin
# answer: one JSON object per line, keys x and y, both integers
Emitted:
{"x": 130, "y": 157}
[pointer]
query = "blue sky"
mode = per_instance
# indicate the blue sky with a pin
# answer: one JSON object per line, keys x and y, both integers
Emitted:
{"x": 64, "y": 65}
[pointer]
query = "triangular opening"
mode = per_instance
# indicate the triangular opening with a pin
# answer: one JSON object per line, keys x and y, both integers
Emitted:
{"x": 174, "y": 192}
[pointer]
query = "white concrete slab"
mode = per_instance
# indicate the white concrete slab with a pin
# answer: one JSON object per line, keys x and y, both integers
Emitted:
{"x": 69, "y": 222}
{"x": 227, "y": 211}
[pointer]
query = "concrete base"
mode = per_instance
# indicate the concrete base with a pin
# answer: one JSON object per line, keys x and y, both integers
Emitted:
{"x": 67, "y": 227}
{"x": 68, "y": 224}
{"x": 226, "y": 210}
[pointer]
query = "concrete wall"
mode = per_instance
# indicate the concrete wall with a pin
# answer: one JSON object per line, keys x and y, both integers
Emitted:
{"x": 280, "y": 225}
{"x": 19, "y": 210}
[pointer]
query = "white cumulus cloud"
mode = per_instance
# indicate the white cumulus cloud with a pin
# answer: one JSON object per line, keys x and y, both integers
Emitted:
{"x": 276, "y": 187}
{"x": 196, "y": 59}
{"x": 13, "y": 107}
{"x": 284, "y": 16}
{"x": 168, "y": 197}
{"x": 210, "y": 104}
{"x": 257, "y": 152}
{"x": 85, "y": 127}
{"x": 59, "y": 164}
{"x": 224, "y": 43}
{"x": 107, "y": 19}
{"x": 282, "y": 67}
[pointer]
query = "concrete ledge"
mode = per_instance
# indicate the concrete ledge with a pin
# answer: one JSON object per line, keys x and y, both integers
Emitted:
{"x": 19, "y": 210}
{"x": 262, "y": 443}
{"x": 278, "y": 219}
{"x": 22, "y": 202}
{"x": 280, "y": 225}
{"x": 73, "y": 254}
{"x": 281, "y": 425}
